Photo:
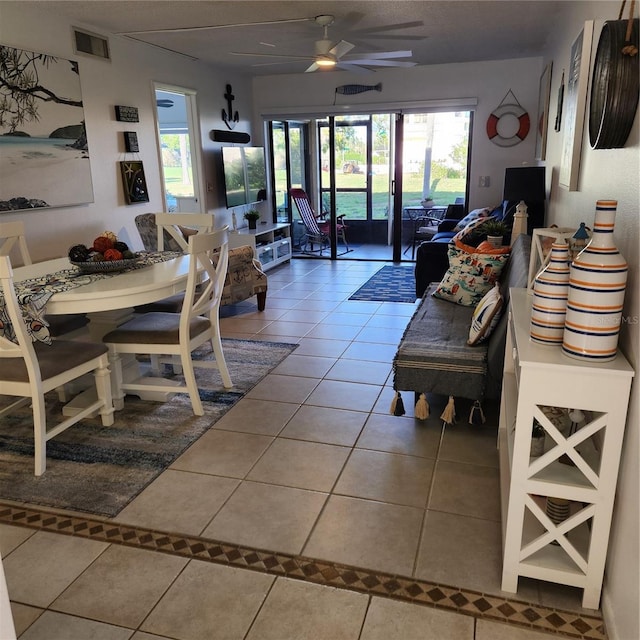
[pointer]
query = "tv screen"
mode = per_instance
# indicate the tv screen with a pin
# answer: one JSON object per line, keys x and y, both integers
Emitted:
{"x": 244, "y": 173}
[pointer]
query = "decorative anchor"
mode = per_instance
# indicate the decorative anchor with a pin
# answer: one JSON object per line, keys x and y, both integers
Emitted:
{"x": 231, "y": 118}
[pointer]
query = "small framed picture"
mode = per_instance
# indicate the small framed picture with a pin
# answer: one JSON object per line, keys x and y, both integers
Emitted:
{"x": 131, "y": 141}
{"x": 134, "y": 183}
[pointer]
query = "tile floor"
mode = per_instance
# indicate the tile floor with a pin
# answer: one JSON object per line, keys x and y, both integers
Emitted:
{"x": 392, "y": 524}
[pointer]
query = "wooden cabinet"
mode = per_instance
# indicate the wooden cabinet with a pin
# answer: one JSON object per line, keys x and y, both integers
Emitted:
{"x": 271, "y": 242}
{"x": 578, "y": 470}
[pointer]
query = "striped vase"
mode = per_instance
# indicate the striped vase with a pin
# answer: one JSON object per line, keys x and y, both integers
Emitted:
{"x": 596, "y": 293}
{"x": 550, "y": 292}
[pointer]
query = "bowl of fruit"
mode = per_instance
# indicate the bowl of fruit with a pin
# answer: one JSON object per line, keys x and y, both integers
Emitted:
{"x": 106, "y": 255}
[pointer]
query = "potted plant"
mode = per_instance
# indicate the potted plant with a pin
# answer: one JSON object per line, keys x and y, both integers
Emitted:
{"x": 537, "y": 439}
{"x": 495, "y": 230}
{"x": 251, "y": 217}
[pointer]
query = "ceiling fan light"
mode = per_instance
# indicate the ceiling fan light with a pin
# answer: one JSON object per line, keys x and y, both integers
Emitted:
{"x": 326, "y": 61}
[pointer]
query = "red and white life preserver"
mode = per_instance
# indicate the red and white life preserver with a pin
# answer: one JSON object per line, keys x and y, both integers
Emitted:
{"x": 503, "y": 110}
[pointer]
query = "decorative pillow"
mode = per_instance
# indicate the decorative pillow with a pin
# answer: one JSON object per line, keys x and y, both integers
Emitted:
{"x": 486, "y": 247}
{"x": 470, "y": 275}
{"x": 471, "y": 216}
{"x": 486, "y": 316}
{"x": 473, "y": 233}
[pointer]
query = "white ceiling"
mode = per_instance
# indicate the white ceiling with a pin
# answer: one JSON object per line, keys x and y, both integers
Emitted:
{"x": 449, "y": 31}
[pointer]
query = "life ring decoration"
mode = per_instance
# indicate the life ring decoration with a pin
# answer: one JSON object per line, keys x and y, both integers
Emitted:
{"x": 510, "y": 109}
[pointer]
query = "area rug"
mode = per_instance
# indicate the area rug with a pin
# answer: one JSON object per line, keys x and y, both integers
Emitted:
{"x": 393, "y": 283}
{"x": 99, "y": 470}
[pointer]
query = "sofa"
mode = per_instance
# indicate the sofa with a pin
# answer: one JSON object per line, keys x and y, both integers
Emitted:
{"x": 431, "y": 257}
{"x": 433, "y": 355}
{"x": 245, "y": 277}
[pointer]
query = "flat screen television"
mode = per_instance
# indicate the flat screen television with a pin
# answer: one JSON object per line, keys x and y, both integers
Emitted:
{"x": 245, "y": 176}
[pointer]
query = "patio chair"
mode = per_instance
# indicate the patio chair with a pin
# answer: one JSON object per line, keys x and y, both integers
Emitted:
{"x": 179, "y": 334}
{"x": 317, "y": 230}
{"x": 12, "y": 238}
{"x": 29, "y": 370}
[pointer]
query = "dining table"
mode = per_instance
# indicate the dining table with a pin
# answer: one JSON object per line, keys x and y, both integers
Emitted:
{"x": 108, "y": 299}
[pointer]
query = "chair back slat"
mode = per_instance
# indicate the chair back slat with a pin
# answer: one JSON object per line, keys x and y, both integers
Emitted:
{"x": 24, "y": 346}
{"x": 209, "y": 253}
{"x": 307, "y": 214}
{"x": 12, "y": 234}
{"x": 175, "y": 224}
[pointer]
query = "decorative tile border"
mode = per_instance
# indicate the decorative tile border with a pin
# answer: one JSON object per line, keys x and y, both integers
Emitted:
{"x": 463, "y": 601}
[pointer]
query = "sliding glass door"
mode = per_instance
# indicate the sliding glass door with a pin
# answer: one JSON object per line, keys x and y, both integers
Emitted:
{"x": 388, "y": 174}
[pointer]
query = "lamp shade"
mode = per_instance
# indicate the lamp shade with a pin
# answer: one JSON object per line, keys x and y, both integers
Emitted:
{"x": 524, "y": 183}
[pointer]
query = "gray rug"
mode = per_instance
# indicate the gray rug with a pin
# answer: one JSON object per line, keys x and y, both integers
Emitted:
{"x": 99, "y": 469}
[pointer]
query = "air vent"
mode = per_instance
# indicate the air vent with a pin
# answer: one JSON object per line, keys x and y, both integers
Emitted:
{"x": 91, "y": 44}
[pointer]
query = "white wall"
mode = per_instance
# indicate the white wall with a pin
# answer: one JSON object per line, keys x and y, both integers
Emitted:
{"x": 126, "y": 80}
{"x": 488, "y": 82}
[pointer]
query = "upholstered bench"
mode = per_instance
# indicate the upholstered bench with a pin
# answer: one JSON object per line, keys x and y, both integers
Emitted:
{"x": 433, "y": 355}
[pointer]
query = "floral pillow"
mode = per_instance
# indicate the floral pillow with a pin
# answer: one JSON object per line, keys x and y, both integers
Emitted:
{"x": 470, "y": 275}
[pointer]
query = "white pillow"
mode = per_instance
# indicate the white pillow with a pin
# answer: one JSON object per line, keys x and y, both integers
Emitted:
{"x": 486, "y": 316}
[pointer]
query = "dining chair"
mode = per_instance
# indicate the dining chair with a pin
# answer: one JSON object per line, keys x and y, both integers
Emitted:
{"x": 29, "y": 370}
{"x": 12, "y": 239}
{"x": 173, "y": 334}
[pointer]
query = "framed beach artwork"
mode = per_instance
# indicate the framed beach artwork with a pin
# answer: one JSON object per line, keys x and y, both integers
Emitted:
{"x": 575, "y": 100}
{"x": 44, "y": 154}
{"x": 133, "y": 182}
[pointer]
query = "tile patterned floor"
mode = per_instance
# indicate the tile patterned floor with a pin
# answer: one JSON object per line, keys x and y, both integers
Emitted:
{"x": 306, "y": 512}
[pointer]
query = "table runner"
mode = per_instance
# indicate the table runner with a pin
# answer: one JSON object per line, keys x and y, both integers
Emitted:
{"x": 33, "y": 294}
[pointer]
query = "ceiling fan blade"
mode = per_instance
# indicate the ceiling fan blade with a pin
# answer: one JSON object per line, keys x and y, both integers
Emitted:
{"x": 389, "y": 27}
{"x": 347, "y": 66}
{"x": 213, "y": 26}
{"x": 383, "y": 55}
{"x": 271, "y": 55}
{"x": 313, "y": 67}
{"x": 343, "y": 47}
{"x": 381, "y": 63}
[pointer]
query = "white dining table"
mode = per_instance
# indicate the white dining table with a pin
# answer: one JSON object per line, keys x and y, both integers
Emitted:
{"x": 109, "y": 302}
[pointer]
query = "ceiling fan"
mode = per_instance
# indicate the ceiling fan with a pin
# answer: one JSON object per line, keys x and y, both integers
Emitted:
{"x": 328, "y": 55}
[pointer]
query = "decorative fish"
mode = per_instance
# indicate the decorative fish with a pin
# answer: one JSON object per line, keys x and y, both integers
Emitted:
{"x": 352, "y": 89}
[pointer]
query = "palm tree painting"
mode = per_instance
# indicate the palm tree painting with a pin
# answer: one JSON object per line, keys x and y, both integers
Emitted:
{"x": 44, "y": 154}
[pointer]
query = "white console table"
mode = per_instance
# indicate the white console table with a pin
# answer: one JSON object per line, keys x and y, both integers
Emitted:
{"x": 271, "y": 242}
{"x": 581, "y": 467}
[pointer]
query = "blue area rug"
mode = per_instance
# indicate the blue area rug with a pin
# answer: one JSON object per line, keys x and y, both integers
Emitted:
{"x": 393, "y": 283}
{"x": 99, "y": 469}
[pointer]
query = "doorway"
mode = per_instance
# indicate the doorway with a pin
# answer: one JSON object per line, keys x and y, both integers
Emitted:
{"x": 177, "y": 133}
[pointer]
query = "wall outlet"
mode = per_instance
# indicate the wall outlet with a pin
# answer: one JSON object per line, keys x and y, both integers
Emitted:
{"x": 484, "y": 181}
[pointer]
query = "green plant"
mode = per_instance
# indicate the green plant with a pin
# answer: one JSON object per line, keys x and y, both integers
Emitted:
{"x": 495, "y": 228}
{"x": 252, "y": 214}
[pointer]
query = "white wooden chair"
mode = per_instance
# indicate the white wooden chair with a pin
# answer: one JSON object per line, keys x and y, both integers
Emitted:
{"x": 182, "y": 225}
{"x": 29, "y": 370}
{"x": 12, "y": 241}
{"x": 161, "y": 333}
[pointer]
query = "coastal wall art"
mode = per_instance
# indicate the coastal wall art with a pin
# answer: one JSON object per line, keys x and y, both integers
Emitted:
{"x": 44, "y": 154}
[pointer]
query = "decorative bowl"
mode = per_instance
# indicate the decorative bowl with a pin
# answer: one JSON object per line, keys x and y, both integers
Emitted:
{"x": 104, "y": 266}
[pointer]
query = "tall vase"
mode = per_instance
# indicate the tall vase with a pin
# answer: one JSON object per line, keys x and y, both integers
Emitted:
{"x": 596, "y": 293}
{"x": 550, "y": 293}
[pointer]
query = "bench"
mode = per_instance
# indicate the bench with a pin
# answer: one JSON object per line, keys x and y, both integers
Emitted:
{"x": 433, "y": 355}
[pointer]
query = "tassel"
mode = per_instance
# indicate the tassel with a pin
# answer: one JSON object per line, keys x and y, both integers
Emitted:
{"x": 422, "y": 408}
{"x": 448, "y": 416}
{"x": 397, "y": 406}
{"x": 476, "y": 415}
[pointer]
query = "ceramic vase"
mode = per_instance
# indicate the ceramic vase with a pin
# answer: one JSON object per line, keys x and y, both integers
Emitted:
{"x": 550, "y": 294}
{"x": 596, "y": 293}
